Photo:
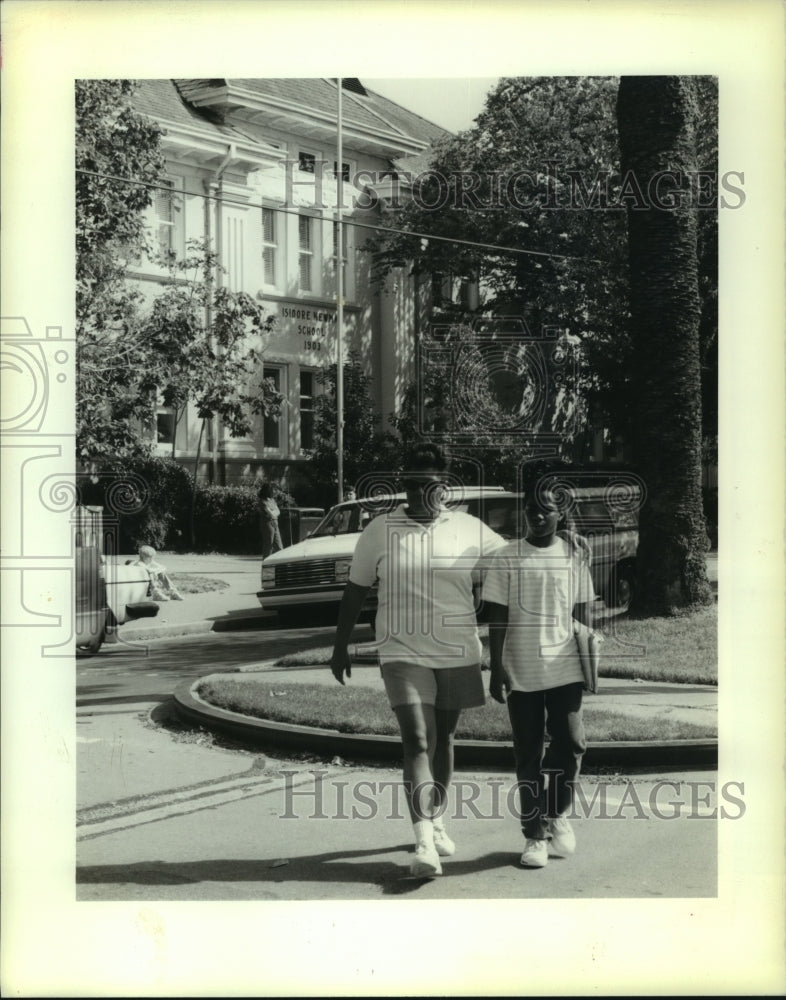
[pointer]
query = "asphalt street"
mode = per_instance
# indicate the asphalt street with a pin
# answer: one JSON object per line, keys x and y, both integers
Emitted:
{"x": 170, "y": 813}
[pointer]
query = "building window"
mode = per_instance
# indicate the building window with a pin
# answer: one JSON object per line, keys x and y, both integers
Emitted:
{"x": 271, "y": 428}
{"x": 307, "y": 162}
{"x": 305, "y": 251}
{"x": 164, "y": 224}
{"x": 169, "y": 430}
{"x": 166, "y": 212}
{"x": 345, "y": 170}
{"x": 269, "y": 245}
{"x": 450, "y": 289}
{"x": 165, "y": 426}
{"x": 307, "y": 401}
{"x": 346, "y": 258}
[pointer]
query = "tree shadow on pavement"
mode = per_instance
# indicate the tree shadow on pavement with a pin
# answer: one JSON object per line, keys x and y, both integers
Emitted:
{"x": 342, "y": 867}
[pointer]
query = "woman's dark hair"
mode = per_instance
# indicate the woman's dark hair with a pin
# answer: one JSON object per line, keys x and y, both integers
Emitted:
{"x": 266, "y": 491}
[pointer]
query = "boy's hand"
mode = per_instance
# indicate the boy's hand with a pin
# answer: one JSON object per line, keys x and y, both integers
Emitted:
{"x": 340, "y": 663}
{"x": 500, "y": 684}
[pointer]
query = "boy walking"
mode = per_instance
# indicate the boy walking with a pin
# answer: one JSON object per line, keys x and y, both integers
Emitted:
{"x": 534, "y": 589}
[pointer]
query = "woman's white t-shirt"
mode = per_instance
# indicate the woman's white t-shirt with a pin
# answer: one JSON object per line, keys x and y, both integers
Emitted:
{"x": 426, "y": 613}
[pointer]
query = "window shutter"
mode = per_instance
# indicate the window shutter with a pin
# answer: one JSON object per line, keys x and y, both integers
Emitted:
{"x": 269, "y": 241}
{"x": 304, "y": 257}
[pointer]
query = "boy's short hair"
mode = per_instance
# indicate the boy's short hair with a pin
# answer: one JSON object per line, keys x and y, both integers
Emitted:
{"x": 147, "y": 551}
{"x": 426, "y": 456}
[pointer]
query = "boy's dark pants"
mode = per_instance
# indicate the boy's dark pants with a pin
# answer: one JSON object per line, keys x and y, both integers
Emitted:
{"x": 560, "y": 710}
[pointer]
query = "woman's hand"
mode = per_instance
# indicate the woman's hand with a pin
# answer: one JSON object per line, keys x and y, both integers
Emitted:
{"x": 340, "y": 664}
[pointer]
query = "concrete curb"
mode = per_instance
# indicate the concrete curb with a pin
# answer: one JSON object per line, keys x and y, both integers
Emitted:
{"x": 671, "y": 754}
{"x": 131, "y": 634}
{"x": 228, "y": 624}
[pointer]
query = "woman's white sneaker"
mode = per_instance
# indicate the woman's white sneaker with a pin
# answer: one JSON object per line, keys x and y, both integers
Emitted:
{"x": 535, "y": 854}
{"x": 563, "y": 839}
{"x": 426, "y": 863}
{"x": 442, "y": 842}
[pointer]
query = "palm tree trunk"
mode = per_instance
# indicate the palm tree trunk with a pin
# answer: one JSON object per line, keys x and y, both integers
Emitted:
{"x": 656, "y": 118}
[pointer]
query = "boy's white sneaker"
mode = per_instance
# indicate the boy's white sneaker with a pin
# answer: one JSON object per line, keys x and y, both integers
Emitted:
{"x": 426, "y": 862}
{"x": 563, "y": 839}
{"x": 535, "y": 854}
{"x": 442, "y": 842}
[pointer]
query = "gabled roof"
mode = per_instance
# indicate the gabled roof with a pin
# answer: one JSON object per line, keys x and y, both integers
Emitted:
{"x": 307, "y": 106}
{"x": 199, "y": 132}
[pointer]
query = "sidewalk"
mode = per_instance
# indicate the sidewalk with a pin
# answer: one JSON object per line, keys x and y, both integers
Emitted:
{"x": 236, "y": 606}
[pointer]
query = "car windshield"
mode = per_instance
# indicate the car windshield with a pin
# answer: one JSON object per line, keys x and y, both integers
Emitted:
{"x": 500, "y": 513}
{"x": 344, "y": 520}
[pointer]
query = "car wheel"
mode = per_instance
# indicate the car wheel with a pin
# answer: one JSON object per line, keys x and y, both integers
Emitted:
{"x": 92, "y": 647}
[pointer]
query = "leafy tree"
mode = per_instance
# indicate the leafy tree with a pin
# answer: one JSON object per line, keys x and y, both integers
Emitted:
{"x": 540, "y": 171}
{"x": 366, "y": 448}
{"x": 479, "y": 400}
{"x": 657, "y": 127}
{"x": 112, "y": 140}
{"x": 196, "y": 342}
{"x": 206, "y": 342}
{"x": 537, "y": 172}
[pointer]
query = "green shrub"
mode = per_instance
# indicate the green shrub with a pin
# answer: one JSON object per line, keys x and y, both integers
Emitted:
{"x": 226, "y": 519}
{"x": 162, "y": 521}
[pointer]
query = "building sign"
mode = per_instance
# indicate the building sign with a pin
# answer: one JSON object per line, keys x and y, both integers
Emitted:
{"x": 313, "y": 326}
{"x": 308, "y": 332}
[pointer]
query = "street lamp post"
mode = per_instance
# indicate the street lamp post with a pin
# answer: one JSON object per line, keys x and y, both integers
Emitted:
{"x": 339, "y": 304}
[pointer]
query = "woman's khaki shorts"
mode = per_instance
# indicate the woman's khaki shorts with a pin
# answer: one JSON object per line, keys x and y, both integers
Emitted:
{"x": 444, "y": 688}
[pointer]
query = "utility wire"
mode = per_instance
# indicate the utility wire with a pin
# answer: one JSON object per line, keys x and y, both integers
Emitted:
{"x": 495, "y": 248}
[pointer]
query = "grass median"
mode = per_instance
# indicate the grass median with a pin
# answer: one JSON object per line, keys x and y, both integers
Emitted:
{"x": 679, "y": 650}
{"x": 357, "y": 709}
{"x": 191, "y": 583}
{"x": 675, "y": 650}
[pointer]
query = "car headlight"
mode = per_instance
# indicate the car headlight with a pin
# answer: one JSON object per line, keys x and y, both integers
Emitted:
{"x": 268, "y": 576}
{"x": 342, "y": 570}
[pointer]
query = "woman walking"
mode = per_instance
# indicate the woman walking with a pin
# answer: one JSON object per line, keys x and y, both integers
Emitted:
{"x": 423, "y": 556}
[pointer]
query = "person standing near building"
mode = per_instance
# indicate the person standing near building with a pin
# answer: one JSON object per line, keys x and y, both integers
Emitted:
{"x": 269, "y": 514}
{"x": 423, "y": 557}
{"x": 534, "y": 589}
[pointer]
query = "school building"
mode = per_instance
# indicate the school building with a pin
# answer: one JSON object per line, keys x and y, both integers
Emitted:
{"x": 251, "y": 166}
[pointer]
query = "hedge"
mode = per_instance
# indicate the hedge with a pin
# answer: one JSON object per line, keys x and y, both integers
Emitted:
{"x": 226, "y": 518}
{"x": 162, "y": 520}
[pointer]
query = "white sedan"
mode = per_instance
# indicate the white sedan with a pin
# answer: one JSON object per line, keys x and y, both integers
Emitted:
{"x": 107, "y": 594}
